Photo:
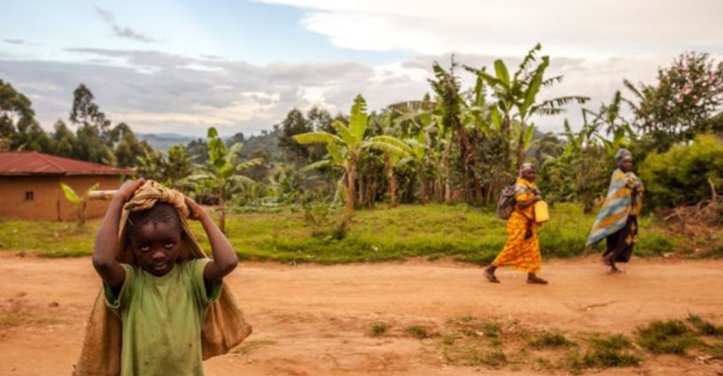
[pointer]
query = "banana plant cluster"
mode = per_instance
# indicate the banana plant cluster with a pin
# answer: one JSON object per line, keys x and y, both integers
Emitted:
{"x": 348, "y": 144}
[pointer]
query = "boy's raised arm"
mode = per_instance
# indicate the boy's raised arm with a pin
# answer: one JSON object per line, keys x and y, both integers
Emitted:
{"x": 224, "y": 258}
{"x": 106, "y": 242}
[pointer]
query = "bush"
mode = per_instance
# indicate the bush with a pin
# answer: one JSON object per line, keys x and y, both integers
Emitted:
{"x": 680, "y": 175}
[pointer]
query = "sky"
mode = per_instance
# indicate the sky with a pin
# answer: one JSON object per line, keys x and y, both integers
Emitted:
{"x": 182, "y": 66}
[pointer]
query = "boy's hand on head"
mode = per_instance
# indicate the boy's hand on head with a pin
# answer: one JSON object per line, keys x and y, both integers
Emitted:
{"x": 195, "y": 211}
{"x": 126, "y": 190}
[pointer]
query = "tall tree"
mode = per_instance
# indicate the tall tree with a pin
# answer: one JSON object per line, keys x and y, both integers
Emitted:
{"x": 15, "y": 109}
{"x": 346, "y": 147}
{"x": 687, "y": 95}
{"x": 64, "y": 140}
{"x": 92, "y": 134}
{"x": 516, "y": 96}
{"x": 222, "y": 172}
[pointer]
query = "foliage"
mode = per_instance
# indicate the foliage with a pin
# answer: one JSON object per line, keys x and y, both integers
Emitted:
{"x": 80, "y": 201}
{"x": 378, "y": 329}
{"x": 683, "y": 175}
{"x": 457, "y": 232}
{"x": 221, "y": 174}
{"x": 666, "y": 337}
{"x": 348, "y": 145}
{"x": 610, "y": 351}
{"x": 678, "y": 107}
{"x": 517, "y": 97}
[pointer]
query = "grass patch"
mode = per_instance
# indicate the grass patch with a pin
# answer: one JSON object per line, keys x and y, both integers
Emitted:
{"x": 378, "y": 329}
{"x": 14, "y": 318}
{"x": 471, "y": 341}
{"x": 249, "y": 346}
{"x": 666, "y": 337}
{"x": 610, "y": 351}
{"x": 704, "y": 327}
{"x": 287, "y": 235}
{"x": 549, "y": 340}
{"x": 417, "y": 331}
{"x": 17, "y": 318}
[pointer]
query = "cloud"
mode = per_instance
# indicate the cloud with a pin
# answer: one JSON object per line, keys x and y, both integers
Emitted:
{"x": 123, "y": 32}
{"x": 601, "y": 28}
{"x": 14, "y": 41}
{"x": 157, "y": 92}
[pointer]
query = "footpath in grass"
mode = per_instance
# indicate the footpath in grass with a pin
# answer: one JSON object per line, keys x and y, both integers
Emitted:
{"x": 292, "y": 235}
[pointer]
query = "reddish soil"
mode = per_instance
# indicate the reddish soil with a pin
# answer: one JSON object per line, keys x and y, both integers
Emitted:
{"x": 315, "y": 320}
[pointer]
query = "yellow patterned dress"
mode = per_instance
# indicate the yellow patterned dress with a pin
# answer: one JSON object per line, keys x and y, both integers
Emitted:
{"x": 522, "y": 250}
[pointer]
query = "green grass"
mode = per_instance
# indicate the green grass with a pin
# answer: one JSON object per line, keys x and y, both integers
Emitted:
{"x": 249, "y": 346}
{"x": 482, "y": 341}
{"x": 432, "y": 231}
{"x": 610, "y": 351}
{"x": 667, "y": 337}
{"x": 417, "y": 331}
{"x": 548, "y": 340}
{"x": 378, "y": 329}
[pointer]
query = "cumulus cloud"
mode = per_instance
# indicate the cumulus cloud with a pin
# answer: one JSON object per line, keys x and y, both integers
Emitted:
{"x": 123, "y": 32}
{"x": 601, "y": 28}
{"x": 157, "y": 92}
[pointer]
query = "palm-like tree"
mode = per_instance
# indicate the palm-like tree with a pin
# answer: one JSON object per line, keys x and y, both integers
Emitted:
{"x": 221, "y": 172}
{"x": 347, "y": 145}
{"x": 517, "y": 95}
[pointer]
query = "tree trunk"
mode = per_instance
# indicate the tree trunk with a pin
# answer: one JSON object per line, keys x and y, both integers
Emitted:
{"x": 422, "y": 184}
{"x": 350, "y": 189}
{"x": 362, "y": 185}
{"x": 520, "y": 148}
{"x": 392, "y": 181}
{"x": 222, "y": 207}
{"x": 447, "y": 177}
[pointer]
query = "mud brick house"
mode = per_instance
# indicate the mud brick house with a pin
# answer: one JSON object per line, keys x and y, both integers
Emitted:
{"x": 30, "y": 185}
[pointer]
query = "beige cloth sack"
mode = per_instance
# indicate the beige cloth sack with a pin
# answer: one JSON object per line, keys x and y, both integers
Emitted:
{"x": 224, "y": 327}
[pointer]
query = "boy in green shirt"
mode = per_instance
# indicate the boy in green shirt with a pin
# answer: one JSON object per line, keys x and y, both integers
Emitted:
{"x": 161, "y": 296}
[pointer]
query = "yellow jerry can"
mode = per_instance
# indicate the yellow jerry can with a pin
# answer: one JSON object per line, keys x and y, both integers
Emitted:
{"x": 541, "y": 212}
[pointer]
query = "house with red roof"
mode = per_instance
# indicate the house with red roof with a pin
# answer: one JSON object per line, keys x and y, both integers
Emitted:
{"x": 30, "y": 185}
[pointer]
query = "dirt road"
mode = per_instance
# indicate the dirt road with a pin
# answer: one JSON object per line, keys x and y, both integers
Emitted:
{"x": 315, "y": 320}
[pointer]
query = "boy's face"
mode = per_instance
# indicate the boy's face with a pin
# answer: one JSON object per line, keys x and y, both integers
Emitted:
{"x": 156, "y": 246}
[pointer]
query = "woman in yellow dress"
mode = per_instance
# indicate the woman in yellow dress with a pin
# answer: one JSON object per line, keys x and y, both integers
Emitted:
{"x": 522, "y": 250}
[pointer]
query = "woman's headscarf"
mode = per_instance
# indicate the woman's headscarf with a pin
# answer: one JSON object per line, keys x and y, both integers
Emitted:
{"x": 524, "y": 168}
{"x": 622, "y": 155}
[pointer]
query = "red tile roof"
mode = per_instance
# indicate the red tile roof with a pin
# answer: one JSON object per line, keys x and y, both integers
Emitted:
{"x": 20, "y": 163}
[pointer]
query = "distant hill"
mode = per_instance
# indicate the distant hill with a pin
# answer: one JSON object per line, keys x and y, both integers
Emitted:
{"x": 164, "y": 141}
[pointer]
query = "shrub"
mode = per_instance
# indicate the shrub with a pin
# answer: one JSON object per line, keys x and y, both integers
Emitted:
{"x": 680, "y": 175}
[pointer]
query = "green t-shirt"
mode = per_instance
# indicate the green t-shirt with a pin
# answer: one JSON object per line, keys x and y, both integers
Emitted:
{"x": 162, "y": 319}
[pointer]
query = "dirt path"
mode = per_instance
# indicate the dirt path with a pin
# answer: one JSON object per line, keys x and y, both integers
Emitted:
{"x": 314, "y": 320}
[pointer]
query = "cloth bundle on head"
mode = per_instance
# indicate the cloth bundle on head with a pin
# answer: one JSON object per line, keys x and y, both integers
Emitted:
{"x": 622, "y": 155}
{"x": 224, "y": 327}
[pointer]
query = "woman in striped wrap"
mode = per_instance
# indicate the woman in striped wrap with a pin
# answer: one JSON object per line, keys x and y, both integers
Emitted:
{"x": 617, "y": 221}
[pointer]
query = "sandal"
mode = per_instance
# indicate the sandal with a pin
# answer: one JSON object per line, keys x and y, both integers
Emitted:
{"x": 491, "y": 276}
{"x": 615, "y": 270}
{"x": 536, "y": 280}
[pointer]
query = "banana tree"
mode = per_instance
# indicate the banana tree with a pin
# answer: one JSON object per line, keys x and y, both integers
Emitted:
{"x": 222, "y": 171}
{"x": 516, "y": 95}
{"x": 346, "y": 146}
{"x": 80, "y": 201}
